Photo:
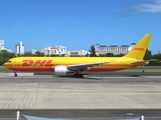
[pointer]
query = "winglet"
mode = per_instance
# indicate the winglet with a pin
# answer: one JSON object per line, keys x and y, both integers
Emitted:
{"x": 140, "y": 48}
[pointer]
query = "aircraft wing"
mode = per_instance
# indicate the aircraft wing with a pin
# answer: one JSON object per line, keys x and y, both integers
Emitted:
{"x": 84, "y": 66}
{"x": 143, "y": 61}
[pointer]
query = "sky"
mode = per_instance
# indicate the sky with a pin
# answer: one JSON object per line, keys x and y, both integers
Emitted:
{"x": 78, "y": 24}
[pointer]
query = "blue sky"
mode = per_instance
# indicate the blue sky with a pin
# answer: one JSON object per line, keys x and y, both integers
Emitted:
{"x": 78, "y": 24}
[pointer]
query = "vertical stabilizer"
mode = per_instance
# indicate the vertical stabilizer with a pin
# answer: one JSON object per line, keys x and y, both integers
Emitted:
{"x": 139, "y": 50}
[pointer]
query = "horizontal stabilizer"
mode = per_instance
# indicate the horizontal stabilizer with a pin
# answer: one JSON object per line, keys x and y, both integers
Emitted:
{"x": 143, "y": 61}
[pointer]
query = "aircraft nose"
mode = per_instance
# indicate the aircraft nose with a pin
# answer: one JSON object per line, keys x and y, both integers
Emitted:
{"x": 7, "y": 65}
{"x": 4, "y": 64}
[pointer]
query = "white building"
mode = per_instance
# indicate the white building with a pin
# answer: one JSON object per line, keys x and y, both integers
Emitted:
{"x": 131, "y": 46}
{"x": 123, "y": 49}
{"x": 33, "y": 51}
{"x": 20, "y": 48}
{"x": 101, "y": 49}
{"x": 1, "y": 44}
{"x": 57, "y": 50}
{"x": 77, "y": 53}
{"x": 113, "y": 49}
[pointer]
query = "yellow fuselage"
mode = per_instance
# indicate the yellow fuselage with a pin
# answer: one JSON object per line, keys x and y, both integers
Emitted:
{"x": 47, "y": 64}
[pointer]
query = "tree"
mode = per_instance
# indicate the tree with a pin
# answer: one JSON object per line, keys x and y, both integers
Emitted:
{"x": 28, "y": 54}
{"x": 87, "y": 55}
{"x": 148, "y": 55}
{"x": 157, "y": 62}
{"x": 110, "y": 55}
{"x": 119, "y": 55}
{"x": 102, "y": 55}
{"x": 5, "y": 56}
{"x": 92, "y": 51}
{"x": 38, "y": 53}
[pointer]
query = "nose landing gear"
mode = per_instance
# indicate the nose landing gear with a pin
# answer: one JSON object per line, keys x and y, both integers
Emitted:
{"x": 15, "y": 73}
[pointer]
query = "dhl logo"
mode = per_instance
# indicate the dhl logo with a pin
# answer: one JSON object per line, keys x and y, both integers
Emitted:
{"x": 141, "y": 49}
{"x": 37, "y": 63}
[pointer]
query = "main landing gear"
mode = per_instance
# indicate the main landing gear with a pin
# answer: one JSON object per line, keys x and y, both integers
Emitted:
{"x": 78, "y": 75}
{"x": 15, "y": 73}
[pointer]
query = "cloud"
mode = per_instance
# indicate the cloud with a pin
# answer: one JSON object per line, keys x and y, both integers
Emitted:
{"x": 150, "y": 7}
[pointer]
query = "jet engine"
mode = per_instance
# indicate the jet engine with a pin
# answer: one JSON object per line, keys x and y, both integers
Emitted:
{"x": 62, "y": 70}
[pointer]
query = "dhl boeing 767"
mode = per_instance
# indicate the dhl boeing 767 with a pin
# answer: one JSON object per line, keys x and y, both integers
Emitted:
{"x": 78, "y": 65}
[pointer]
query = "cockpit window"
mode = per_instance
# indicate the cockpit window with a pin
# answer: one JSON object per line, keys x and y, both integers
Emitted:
{"x": 9, "y": 61}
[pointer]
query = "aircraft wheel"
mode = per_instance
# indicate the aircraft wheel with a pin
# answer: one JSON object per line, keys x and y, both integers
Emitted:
{"x": 78, "y": 75}
{"x": 15, "y": 74}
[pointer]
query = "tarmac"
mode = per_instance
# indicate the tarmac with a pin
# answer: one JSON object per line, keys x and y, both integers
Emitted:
{"x": 29, "y": 92}
{"x": 92, "y": 92}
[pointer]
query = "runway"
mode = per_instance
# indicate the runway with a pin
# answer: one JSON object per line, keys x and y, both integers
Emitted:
{"x": 51, "y": 92}
{"x": 92, "y": 93}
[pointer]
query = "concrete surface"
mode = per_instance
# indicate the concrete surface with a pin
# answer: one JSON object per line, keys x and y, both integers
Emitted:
{"x": 50, "y": 92}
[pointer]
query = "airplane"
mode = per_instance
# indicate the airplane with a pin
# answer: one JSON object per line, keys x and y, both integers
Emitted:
{"x": 78, "y": 65}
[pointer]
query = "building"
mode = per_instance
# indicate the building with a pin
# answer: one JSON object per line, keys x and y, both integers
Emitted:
{"x": 20, "y": 48}
{"x": 56, "y": 50}
{"x": 124, "y": 49}
{"x": 33, "y": 51}
{"x": 131, "y": 46}
{"x": 77, "y": 53}
{"x": 1, "y": 44}
{"x": 115, "y": 49}
{"x": 101, "y": 49}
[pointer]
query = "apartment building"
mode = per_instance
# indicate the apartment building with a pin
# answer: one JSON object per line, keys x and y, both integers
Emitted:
{"x": 115, "y": 49}
{"x": 20, "y": 48}
{"x": 56, "y": 50}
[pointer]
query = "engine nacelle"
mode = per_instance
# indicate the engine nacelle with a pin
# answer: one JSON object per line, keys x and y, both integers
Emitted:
{"x": 62, "y": 70}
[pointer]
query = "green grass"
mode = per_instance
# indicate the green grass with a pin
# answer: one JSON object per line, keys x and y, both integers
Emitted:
{"x": 145, "y": 68}
{"x": 148, "y": 67}
{"x": 3, "y": 69}
{"x": 140, "y": 70}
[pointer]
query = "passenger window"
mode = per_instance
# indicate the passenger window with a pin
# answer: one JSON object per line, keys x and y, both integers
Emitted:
{"x": 9, "y": 61}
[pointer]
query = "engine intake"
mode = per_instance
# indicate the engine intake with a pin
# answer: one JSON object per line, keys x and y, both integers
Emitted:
{"x": 62, "y": 70}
